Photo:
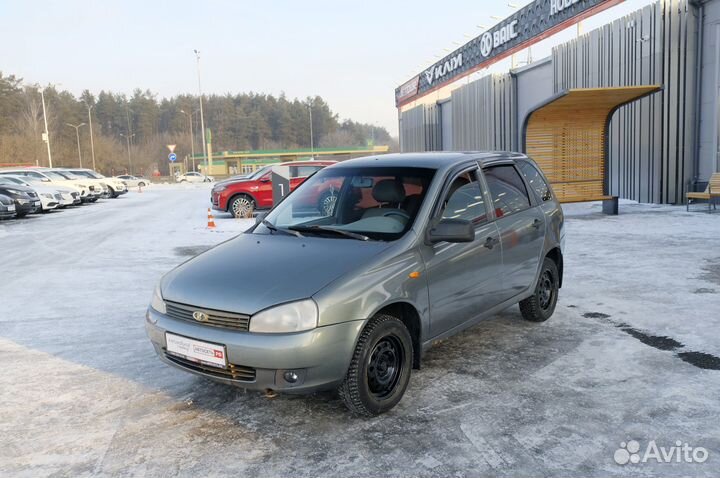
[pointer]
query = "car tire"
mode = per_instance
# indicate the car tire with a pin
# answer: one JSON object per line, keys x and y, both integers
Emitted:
{"x": 242, "y": 206}
{"x": 141, "y": 184}
{"x": 380, "y": 368}
{"x": 111, "y": 193}
{"x": 540, "y": 306}
{"x": 19, "y": 215}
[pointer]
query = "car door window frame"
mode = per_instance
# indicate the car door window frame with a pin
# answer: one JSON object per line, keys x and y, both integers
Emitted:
{"x": 538, "y": 200}
{"x": 449, "y": 179}
{"x": 531, "y": 196}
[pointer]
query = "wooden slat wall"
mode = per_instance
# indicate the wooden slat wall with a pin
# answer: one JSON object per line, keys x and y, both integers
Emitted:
{"x": 651, "y": 141}
{"x": 567, "y": 138}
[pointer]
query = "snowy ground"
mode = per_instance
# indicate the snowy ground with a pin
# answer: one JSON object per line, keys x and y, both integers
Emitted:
{"x": 631, "y": 354}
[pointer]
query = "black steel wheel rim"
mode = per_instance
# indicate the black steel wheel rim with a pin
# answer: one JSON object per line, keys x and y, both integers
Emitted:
{"x": 385, "y": 366}
{"x": 546, "y": 290}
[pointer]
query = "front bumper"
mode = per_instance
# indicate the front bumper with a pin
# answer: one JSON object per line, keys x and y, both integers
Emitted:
{"x": 320, "y": 357}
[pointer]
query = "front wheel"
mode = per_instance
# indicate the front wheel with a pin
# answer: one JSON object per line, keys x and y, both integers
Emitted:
{"x": 540, "y": 306}
{"x": 379, "y": 372}
{"x": 242, "y": 207}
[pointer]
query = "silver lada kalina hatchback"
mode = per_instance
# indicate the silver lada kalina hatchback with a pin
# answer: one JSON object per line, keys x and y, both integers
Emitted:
{"x": 413, "y": 248}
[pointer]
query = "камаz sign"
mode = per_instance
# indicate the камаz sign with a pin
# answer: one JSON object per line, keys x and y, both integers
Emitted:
{"x": 526, "y": 26}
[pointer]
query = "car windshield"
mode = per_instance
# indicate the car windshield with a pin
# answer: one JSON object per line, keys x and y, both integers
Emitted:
{"x": 55, "y": 175}
{"x": 258, "y": 174}
{"x": 69, "y": 175}
{"x": 11, "y": 179}
{"x": 378, "y": 203}
{"x": 88, "y": 174}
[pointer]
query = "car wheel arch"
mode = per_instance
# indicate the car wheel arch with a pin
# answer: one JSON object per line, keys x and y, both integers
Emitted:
{"x": 556, "y": 256}
{"x": 236, "y": 195}
{"x": 408, "y": 314}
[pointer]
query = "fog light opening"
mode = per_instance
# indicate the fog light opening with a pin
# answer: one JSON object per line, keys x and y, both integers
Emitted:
{"x": 290, "y": 376}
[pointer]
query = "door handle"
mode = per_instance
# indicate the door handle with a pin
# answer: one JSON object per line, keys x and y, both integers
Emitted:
{"x": 536, "y": 223}
{"x": 490, "y": 242}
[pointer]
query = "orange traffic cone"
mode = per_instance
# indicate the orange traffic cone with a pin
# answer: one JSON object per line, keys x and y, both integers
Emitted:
{"x": 211, "y": 220}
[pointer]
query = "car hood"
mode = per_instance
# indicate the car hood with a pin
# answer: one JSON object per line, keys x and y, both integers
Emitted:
{"x": 227, "y": 182}
{"x": 5, "y": 188}
{"x": 253, "y": 272}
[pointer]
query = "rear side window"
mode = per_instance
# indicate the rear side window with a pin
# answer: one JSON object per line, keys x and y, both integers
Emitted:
{"x": 507, "y": 190}
{"x": 535, "y": 180}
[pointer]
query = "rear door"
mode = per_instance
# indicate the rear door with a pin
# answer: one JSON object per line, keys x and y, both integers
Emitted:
{"x": 463, "y": 279}
{"x": 521, "y": 224}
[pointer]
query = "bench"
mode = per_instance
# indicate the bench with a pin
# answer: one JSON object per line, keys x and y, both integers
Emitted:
{"x": 711, "y": 193}
{"x": 610, "y": 204}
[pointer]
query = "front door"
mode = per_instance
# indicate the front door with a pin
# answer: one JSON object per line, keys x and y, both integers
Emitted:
{"x": 463, "y": 279}
{"x": 521, "y": 225}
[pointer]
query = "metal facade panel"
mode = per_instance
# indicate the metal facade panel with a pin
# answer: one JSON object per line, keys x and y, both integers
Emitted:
{"x": 650, "y": 151}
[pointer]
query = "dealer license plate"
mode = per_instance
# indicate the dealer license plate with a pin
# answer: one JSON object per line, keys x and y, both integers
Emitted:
{"x": 196, "y": 351}
{"x": 11, "y": 208}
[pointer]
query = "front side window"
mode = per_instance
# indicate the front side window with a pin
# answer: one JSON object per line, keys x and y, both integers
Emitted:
{"x": 535, "y": 180}
{"x": 507, "y": 190}
{"x": 465, "y": 200}
{"x": 380, "y": 203}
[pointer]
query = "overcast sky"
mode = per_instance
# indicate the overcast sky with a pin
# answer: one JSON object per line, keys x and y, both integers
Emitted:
{"x": 352, "y": 53}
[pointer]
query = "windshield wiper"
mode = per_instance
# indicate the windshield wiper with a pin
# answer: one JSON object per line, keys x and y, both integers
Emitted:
{"x": 274, "y": 228}
{"x": 342, "y": 232}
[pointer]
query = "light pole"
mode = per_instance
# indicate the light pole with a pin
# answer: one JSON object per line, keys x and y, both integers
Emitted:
{"x": 127, "y": 138}
{"x": 92, "y": 142}
{"x": 192, "y": 141}
{"x": 77, "y": 133}
{"x": 47, "y": 134}
{"x": 202, "y": 116}
{"x": 312, "y": 143}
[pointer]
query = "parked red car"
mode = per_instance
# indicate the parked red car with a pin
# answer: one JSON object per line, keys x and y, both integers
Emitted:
{"x": 241, "y": 196}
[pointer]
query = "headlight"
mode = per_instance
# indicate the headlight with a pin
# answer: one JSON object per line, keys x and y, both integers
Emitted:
{"x": 48, "y": 196}
{"x": 219, "y": 189}
{"x": 157, "y": 301}
{"x": 292, "y": 317}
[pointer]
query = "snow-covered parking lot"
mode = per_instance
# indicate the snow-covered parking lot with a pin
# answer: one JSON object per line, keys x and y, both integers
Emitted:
{"x": 632, "y": 353}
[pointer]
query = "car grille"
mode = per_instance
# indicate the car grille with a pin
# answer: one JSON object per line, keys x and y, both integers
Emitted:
{"x": 216, "y": 318}
{"x": 233, "y": 372}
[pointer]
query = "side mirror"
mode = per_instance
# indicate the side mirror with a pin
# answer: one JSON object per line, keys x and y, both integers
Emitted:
{"x": 260, "y": 217}
{"x": 451, "y": 230}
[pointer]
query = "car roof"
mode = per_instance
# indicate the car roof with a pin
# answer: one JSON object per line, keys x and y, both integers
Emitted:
{"x": 432, "y": 160}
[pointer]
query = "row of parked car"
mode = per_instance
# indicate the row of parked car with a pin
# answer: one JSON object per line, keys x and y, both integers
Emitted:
{"x": 29, "y": 190}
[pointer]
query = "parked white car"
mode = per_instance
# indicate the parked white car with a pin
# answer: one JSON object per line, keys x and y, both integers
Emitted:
{"x": 97, "y": 187}
{"x": 193, "y": 177}
{"x": 133, "y": 181}
{"x": 115, "y": 187}
{"x": 49, "y": 177}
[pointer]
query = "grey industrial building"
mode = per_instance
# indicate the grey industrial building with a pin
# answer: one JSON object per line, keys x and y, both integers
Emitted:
{"x": 660, "y": 146}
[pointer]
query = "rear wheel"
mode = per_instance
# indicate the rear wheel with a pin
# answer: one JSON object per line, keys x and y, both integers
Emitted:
{"x": 242, "y": 206}
{"x": 379, "y": 372}
{"x": 540, "y": 306}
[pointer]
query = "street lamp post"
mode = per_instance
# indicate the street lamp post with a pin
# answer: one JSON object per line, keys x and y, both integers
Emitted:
{"x": 77, "y": 134}
{"x": 92, "y": 142}
{"x": 127, "y": 138}
{"x": 312, "y": 142}
{"x": 47, "y": 134}
{"x": 192, "y": 140}
{"x": 202, "y": 116}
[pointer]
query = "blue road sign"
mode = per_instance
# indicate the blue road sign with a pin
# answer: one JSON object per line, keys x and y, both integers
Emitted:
{"x": 172, "y": 157}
